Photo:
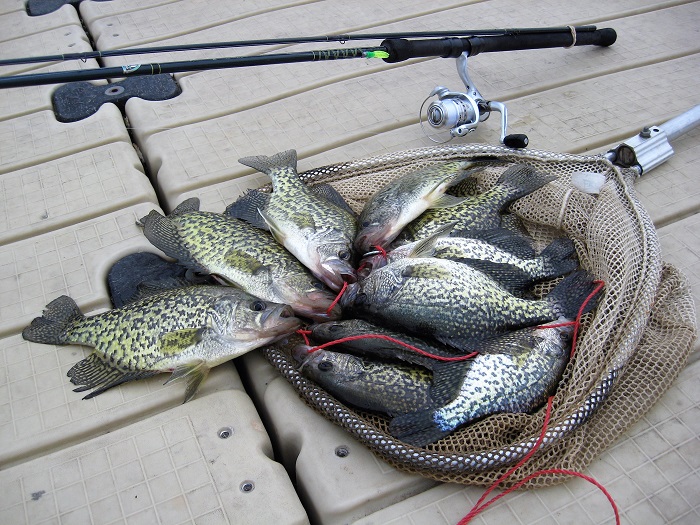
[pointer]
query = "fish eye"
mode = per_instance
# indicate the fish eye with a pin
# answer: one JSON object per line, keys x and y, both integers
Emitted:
{"x": 344, "y": 255}
{"x": 335, "y": 327}
{"x": 319, "y": 285}
{"x": 366, "y": 224}
{"x": 325, "y": 366}
{"x": 258, "y": 306}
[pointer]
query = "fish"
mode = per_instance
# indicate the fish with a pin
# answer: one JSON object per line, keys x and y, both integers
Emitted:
{"x": 184, "y": 331}
{"x": 516, "y": 376}
{"x": 368, "y": 384}
{"x": 356, "y": 336}
{"x": 455, "y": 303}
{"x": 399, "y": 202}
{"x": 502, "y": 254}
{"x": 317, "y": 232}
{"x": 241, "y": 255}
{"x": 480, "y": 212}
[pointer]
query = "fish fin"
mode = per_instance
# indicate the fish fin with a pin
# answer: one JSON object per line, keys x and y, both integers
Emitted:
{"x": 246, "y": 262}
{"x": 50, "y": 327}
{"x": 507, "y": 275}
{"x": 149, "y": 288}
{"x": 417, "y": 428}
{"x": 559, "y": 257}
{"x": 426, "y": 247}
{"x": 464, "y": 344}
{"x": 265, "y": 164}
{"x": 93, "y": 372}
{"x": 162, "y": 233}
{"x": 568, "y": 296}
{"x": 246, "y": 208}
{"x": 446, "y": 201}
{"x": 447, "y": 380}
{"x": 195, "y": 372}
{"x": 328, "y": 192}
{"x": 275, "y": 230}
{"x": 425, "y": 271}
{"x": 523, "y": 180}
{"x": 502, "y": 238}
{"x": 186, "y": 206}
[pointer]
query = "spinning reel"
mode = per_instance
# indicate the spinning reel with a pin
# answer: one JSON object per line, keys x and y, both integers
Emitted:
{"x": 462, "y": 112}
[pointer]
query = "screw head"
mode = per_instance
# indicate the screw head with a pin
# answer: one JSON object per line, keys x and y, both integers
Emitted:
{"x": 342, "y": 451}
{"x": 247, "y": 486}
{"x": 225, "y": 432}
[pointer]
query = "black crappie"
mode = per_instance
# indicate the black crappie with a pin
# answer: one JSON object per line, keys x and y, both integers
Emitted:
{"x": 241, "y": 254}
{"x": 517, "y": 375}
{"x": 185, "y": 331}
{"x": 504, "y": 255}
{"x": 317, "y": 232}
{"x": 404, "y": 199}
{"x": 455, "y": 303}
{"x": 365, "y": 383}
{"x": 481, "y": 212}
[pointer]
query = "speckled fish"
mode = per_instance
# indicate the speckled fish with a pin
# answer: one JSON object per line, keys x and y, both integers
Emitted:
{"x": 317, "y": 232}
{"x": 396, "y": 204}
{"x": 518, "y": 376}
{"x": 365, "y": 383}
{"x": 455, "y": 303}
{"x": 502, "y": 254}
{"x": 481, "y": 212}
{"x": 241, "y": 255}
{"x": 185, "y": 331}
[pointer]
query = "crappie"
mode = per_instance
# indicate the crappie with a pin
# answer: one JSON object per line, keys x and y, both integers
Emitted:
{"x": 517, "y": 376}
{"x": 504, "y": 255}
{"x": 240, "y": 254}
{"x": 371, "y": 385}
{"x": 404, "y": 199}
{"x": 481, "y": 212}
{"x": 455, "y": 303}
{"x": 185, "y": 331}
{"x": 317, "y": 232}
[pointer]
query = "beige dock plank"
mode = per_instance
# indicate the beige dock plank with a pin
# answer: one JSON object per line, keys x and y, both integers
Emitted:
{"x": 69, "y": 190}
{"x": 36, "y": 138}
{"x": 72, "y": 261}
{"x": 16, "y": 24}
{"x": 8, "y": 6}
{"x": 91, "y": 11}
{"x": 170, "y": 468}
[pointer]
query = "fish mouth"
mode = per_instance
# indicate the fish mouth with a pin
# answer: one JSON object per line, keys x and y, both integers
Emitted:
{"x": 335, "y": 273}
{"x": 376, "y": 237}
{"x": 348, "y": 298}
{"x": 280, "y": 320}
{"x": 319, "y": 309}
{"x": 303, "y": 355}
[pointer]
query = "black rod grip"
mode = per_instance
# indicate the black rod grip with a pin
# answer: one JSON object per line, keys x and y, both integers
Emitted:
{"x": 400, "y": 49}
{"x": 599, "y": 37}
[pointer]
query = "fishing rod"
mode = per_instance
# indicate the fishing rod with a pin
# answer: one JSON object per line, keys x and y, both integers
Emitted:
{"x": 390, "y": 50}
{"x": 295, "y": 40}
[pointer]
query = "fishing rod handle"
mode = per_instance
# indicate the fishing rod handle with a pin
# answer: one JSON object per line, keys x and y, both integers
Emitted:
{"x": 401, "y": 49}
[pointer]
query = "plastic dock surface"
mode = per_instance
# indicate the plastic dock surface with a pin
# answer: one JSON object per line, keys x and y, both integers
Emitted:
{"x": 247, "y": 449}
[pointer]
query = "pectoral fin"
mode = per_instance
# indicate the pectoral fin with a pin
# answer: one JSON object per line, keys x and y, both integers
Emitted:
{"x": 195, "y": 372}
{"x": 276, "y": 231}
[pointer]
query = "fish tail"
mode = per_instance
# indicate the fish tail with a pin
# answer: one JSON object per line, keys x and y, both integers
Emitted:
{"x": 568, "y": 296}
{"x": 522, "y": 180}
{"x": 50, "y": 328}
{"x": 559, "y": 257}
{"x": 267, "y": 165}
{"x": 417, "y": 428}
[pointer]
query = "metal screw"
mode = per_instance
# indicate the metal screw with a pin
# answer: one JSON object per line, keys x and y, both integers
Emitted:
{"x": 247, "y": 486}
{"x": 225, "y": 432}
{"x": 342, "y": 451}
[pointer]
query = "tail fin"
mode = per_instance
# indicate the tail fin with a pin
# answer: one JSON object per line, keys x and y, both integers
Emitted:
{"x": 559, "y": 257}
{"x": 50, "y": 328}
{"x": 417, "y": 428}
{"x": 522, "y": 179}
{"x": 265, "y": 164}
{"x": 569, "y": 295}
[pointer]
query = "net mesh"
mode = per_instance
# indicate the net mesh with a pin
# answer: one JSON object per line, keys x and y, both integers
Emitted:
{"x": 629, "y": 350}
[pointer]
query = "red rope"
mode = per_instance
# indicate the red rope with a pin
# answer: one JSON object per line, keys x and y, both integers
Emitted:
{"x": 305, "y": 334}
{"x": 381, "y": 250}
{"x": 480, "y": 505}
{"x": 337, "y": 298}
{"x": 393, "y": 340}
